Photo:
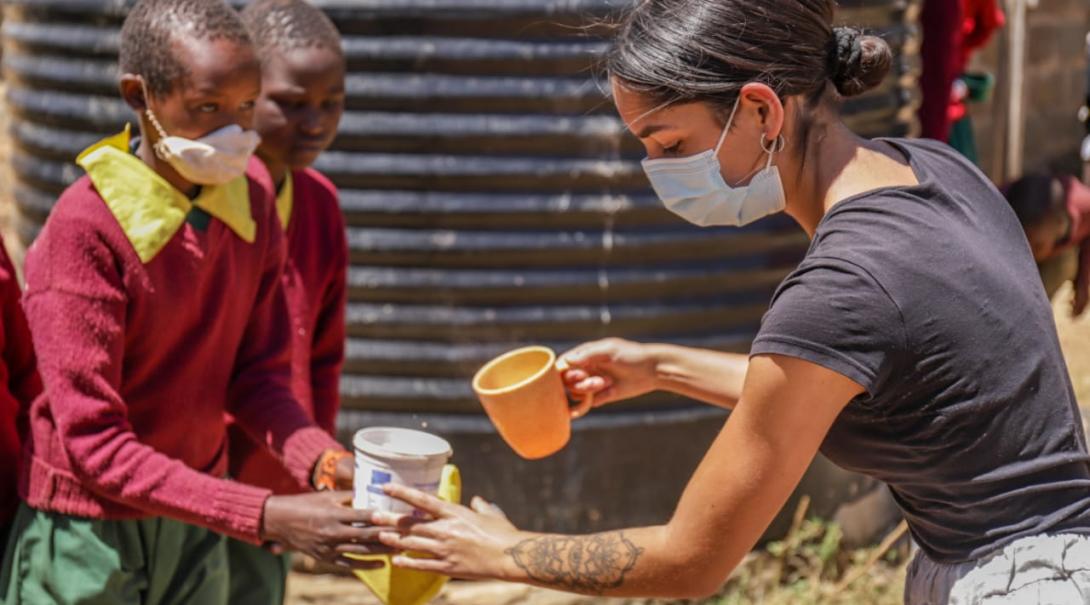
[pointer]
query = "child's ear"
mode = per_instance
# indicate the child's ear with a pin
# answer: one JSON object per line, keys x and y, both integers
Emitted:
{"x": 132, "y": 90}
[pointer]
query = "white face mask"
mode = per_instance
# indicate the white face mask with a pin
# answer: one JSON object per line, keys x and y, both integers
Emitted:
{"x": 216, "y": 158}
{"x": 693, "y": 187}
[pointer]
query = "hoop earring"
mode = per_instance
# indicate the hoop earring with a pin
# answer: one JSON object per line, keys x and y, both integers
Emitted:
{"x": 777, "y": 146}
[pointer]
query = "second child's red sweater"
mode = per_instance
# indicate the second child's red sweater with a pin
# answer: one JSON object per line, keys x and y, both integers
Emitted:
{"x": 314, "y": 281}
{"x": 141, "y": 361}
{"x": 19, "y": 384}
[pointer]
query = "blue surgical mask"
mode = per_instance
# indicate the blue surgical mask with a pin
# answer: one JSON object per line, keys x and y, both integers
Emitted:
{"x": 693, "y": 187}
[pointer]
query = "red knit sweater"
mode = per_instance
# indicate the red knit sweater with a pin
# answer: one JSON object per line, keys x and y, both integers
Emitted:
{"x": 314, "y": 281}
{"x": 142, "y": 360}
{"x": 19, "y": 384}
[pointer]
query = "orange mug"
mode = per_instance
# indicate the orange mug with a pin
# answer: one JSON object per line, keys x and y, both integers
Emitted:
{"x": 524, "y": 395}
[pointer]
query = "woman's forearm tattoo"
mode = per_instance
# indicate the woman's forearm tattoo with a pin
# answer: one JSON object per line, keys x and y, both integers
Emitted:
{"x": 587, "y": 564}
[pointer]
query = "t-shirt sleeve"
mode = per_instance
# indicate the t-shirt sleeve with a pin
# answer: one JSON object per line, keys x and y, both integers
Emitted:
{"x": 833, "y": 313}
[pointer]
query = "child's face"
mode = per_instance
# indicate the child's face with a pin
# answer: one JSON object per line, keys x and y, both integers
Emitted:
{"x": 302, "y": 99}
{"x": 221, "y": 86}
{"x": 1049, "y": 234}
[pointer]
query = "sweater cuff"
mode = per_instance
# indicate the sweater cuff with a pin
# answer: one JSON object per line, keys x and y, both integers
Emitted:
{"x": 302, "y": 450}
{"x": 239, "y": 509}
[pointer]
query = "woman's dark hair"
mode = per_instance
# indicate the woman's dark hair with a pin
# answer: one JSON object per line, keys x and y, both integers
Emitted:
{"x": 676, "y": 51}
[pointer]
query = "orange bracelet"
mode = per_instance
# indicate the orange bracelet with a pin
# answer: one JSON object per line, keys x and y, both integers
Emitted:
{"x": 325, "y": 472}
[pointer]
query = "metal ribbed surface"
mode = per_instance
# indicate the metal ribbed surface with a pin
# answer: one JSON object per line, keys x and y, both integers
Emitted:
{"x": 492, "y": 195}
{"x": 492, "y": 199}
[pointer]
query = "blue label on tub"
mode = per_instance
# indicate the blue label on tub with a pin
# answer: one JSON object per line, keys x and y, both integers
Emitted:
{"x": 379, "y": 478}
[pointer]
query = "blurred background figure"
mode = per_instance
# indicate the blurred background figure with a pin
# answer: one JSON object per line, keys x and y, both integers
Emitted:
{"x": 952, "y": 32}
{"x": 1055, "y": 212}
{"x": 1084, "y": 117}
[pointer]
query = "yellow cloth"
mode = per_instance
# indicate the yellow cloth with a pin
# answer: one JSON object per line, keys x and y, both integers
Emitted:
{"x": 284, "y": 200}
{"x": 148, "y": 208}
{"x": 396, "y": 586}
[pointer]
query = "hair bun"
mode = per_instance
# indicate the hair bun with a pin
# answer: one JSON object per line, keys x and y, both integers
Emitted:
{"x": 858, "y": 62}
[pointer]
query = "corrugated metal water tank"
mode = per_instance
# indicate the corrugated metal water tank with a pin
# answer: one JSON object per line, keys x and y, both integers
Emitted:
{"x": 493, "y": 199}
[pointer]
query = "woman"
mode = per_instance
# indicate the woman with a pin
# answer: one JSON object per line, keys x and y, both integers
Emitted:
{"x": 913, "y": 343}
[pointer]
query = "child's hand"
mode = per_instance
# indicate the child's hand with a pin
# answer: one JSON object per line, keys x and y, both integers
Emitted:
{"x": 345, "y": 475}
{"x": 324, "y": 526}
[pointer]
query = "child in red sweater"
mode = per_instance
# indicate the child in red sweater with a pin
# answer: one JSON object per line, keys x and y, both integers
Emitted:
{"x": 1055, "y": 213}
{"x": 155, "y": 300}
{"x": 301, "y": 102}
{"x": 19, "y": 385}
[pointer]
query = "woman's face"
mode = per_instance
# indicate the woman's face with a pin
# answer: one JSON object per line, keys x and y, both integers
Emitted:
{"x": 688, "y": 129}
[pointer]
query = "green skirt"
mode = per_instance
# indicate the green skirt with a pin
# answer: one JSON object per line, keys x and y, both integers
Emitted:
{"x": 258, "y": 577}
{"x": 54, "y": 558}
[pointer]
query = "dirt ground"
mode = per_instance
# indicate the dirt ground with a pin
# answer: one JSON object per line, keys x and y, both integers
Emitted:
{"x": 309, "y": 589}
{"x": 1075, "y": 340}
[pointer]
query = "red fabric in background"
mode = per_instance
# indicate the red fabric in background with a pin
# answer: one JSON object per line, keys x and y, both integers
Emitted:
{"x": 980, "y": 19}
{"x": 952, "y": 31}
{"x": 19, "y": 384}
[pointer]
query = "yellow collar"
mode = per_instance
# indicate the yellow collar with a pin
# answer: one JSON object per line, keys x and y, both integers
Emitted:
{"x": 148, "y": 208}
{"x": 284, "y": 201}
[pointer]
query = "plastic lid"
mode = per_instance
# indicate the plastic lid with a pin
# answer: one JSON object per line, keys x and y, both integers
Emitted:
{"x": 389, "y": 442}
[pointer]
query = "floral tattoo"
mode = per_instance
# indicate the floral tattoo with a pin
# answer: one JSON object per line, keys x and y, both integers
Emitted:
{"x": 587, "y": 564}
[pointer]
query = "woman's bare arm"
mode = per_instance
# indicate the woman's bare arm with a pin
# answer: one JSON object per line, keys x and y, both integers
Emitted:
{"x": 786, "y": 408}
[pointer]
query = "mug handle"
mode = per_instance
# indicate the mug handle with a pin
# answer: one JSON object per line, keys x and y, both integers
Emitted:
{"x": 586, "y": 404}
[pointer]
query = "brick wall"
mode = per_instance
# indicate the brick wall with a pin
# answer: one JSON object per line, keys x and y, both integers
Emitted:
{"x": 1055, "y": 84}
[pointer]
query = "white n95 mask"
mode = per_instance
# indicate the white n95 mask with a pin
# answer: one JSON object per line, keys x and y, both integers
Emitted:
{"x": 218, "y": 157}
{"x": 693, "y": 187}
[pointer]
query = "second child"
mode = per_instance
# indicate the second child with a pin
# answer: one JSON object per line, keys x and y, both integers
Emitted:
{"x": 297, "y": 114}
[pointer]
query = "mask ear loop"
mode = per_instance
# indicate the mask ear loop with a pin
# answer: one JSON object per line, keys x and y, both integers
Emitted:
{"x": 158, "y": 147}
{"x": 730, "y": 120}
{"x": 777, "y": 146}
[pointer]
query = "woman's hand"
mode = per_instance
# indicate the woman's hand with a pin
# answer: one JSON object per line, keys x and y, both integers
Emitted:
{"x": 612, "y": 370}
{"x": 615, "y": 369}
{"x": 469, "y": 543}
{"x": 324, "y": 526}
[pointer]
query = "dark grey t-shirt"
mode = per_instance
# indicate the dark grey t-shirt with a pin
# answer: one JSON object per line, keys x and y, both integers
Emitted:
{"x": 928, "y": 297}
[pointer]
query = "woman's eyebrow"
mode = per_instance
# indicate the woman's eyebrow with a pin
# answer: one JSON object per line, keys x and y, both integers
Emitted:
{"x": 649, "y": 130}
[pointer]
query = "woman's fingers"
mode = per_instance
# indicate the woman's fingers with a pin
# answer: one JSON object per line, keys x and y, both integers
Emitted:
{"x": 484, "y": 507}
{"x": 351, "y": 548}
{"x": 593, "y": 352}
{"x": 433, "y": 565}
{"x": 593, "y": 384}
{"x": 405, "y": 524}
{"x": 572, "y": 377}
{"x": 397, "y": 541}
{"x": 421, "y": 500}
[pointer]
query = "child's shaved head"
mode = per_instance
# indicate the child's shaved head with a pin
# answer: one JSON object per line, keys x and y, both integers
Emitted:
{"x": 153, "y": 25}
{"x": 283, "y": 25}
